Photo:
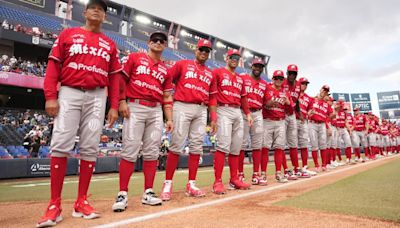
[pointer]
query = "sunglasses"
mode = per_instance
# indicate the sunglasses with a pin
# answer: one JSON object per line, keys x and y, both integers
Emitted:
{"x": 204, "y": 49}
{"x": 157, "y": 39}
{"x": 304, "y": 83}
{"x": 234, "y": 57}
{"x": 292, "y": 72}
{"x": 279, "y": 78}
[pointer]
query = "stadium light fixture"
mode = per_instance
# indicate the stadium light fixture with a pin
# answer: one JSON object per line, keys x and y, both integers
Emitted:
{"x": 219, "y": 44}
{"x": 247, "y": 54}
{"x": 142, "y": 19}
{"x": 85, "y": 2}
{"x": 184, "y": 33}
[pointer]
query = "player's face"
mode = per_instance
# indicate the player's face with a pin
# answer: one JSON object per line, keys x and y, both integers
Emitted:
{"x": 278, "y": 81}
{"x": 257, "y": 69}
{"x": 95, "y": 13}
{"x": 157, "y": 44}
{"x": 233, "y": 61}
{"x": 291, "y": 76}
{"x": 303, "y": 86}
{"x": 323, "y": 92}
{"x": 202, "y": 54}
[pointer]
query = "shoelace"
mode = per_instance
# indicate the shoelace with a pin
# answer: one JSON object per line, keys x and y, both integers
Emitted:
{"x": 120, "y": 198}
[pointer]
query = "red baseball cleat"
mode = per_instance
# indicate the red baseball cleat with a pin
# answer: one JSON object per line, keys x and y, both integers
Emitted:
{"x": 82, "y": 209}
{"x": 52, "y": 215}
{"x": 219, "y": 188}
{"x": 192, "y": 190}
{"x": 237, "y": 184}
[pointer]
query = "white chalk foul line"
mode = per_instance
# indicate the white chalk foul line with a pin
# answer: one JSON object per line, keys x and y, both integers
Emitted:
{"x": 227, "y": 199}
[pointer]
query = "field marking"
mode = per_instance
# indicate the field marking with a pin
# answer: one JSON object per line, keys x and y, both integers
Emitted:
{"x": 229, "y": 198}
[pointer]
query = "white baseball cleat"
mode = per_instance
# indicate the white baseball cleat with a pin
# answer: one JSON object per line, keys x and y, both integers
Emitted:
{"x": 121, "y": 202}
{"x": 149, "y": 198}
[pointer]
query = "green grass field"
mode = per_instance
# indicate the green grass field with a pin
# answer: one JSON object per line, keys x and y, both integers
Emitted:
{"x": 106, "y": 186}
{"x": 374, "y": 193}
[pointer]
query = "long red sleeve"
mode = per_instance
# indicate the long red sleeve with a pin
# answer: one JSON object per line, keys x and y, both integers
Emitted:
{"x": 53, "y": 73}
{"x": 244, "y": 105}
{"x": 114, "y": 90}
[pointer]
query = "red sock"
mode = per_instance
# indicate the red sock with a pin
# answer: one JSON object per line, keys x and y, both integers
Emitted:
{"x": 294, "y": 157}
{"x": 278, "y": 159}
{"x": 58, "y": 167}
{"x": 348, "y": 152}
{"x": 219, "y": 162}
{"x": 366, "y": 151}
{"x": 126, "y": 168}
{"x": 149, "y": 171}
{"x": 315, "y": 158}
{"x": 333, "y": 154}
{"x": 304, "y": 156}
{"x": 193, "y": 165}
{"x": 264, "y": 159}
{"x": 172, "y": 163}
{"x": 323, "y": 157}
{"x": 284, "y": 161}
{"x": 398, "y": 149}
{"x": 357, "y": 153}
{"x": 85, "y": 174}
{"x": 256, "y": 155}
{"x": 328, "y": 156}
{"x": 241, "y": 161}
{"x": 381, "y": 151}
{"x": 233, "y": 161}
{"x": 339, "y": 153}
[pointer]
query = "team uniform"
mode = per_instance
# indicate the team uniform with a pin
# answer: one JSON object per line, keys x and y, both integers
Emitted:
{"x": 317, "y": 127}
{"x": 230, "y": 97}
{"x": 372, "y": 137}
{"x": 147, "y": 81}
{"x": 384, "y": 130}
{"x": 343, "y": 133}
{"x": 359, "y": 135}
{"x": 194, "y": 84}
{"x": 89, "y": 64}
{"x": 253, "y": 135}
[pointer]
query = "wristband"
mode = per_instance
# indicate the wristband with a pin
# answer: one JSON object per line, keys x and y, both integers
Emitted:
{"x": 213, "y": 116}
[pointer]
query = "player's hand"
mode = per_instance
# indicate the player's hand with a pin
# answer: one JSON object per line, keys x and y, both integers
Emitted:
{"x": 52, "y": 107}
{"x": 124, "y": 109}
{"x": 312, "y": 112}
{"x": 169, "y": 126}
{"x": 112, "y": 117}
{"x": 330, "y": 132}
{"x": 213, "y": 126}
{"x": 250, "y": 120}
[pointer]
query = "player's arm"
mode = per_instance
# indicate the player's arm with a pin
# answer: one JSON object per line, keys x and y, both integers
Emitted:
{"x": 123, "y": 107}
{"x": 167, "y": 108}
{"x": 244, "y": 104}
{"x": 212, "y": 105}
{"x": 51, "y": 80}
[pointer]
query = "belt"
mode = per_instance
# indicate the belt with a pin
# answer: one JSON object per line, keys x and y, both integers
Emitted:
{"x": 82, "y": 88}
{"x": 229, "y": 105}
{"x": 254, "y": 109}
{"x": 317, "y": 122}
{"x": 144, "y": 102}
{"x": 275, "y": 119}
{"x": 198, "y": 103}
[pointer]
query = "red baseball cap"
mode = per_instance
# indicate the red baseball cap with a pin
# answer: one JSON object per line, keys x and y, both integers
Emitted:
{"x": 278, "y": 73}
{"x": 204, "y": 43}
{"x": 159, "y": 34}
{"x": 258, "y": 61}
{"x": 326, "y": 87}
{"x": 302, "y": 80}
{"x": 233, "y": 52}
{"x": 292, "y": 67}
{"x": 341, "y": 101}
{"x": 356, "y": 108}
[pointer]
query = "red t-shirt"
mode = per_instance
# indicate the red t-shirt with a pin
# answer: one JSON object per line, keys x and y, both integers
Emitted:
{"x": 88, "y": 60}
{"x": 148, "y": 80}
{"x": 230, "y": 87}
{"x": 360, "y": 122}
{"x": 306, "y": 103}
{"x": 294, "y": 92}
{"x": 322, "y": 110}
{"x": 278, "y": 112}
{"x": 255, "y": 91}
{"x": 194, "y": 82}
{"x": 341, "y": 119}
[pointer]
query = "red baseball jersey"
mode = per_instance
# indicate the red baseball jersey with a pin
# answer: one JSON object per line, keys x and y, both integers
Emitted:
{"x": 294, "y": 92}
{"x": 384, "y": 129}
{"x": 255, "y": 90}
{"x": 88, "y": 60}
{"x": 372, "y": 126}
{"x": 341, "y": 119}
{"x": 194, "y": 82}
{"x": 148, "y": 80}
{"x": 306, "y": 103}
{"x": 359, "y": 122}
{"x": 278, "y": 112}
{"x": 322, "y": 110}
{"x": 229, "y": 86}
{"x": 349, "y": 119}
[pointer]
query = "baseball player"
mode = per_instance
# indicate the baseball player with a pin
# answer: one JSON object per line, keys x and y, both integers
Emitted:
{"x": 231, "y": 97}
{"x": 146, "y": 92}
{"x": 293, "y": 88}
{"x": 359, "y": 134}
{"x": 343, "y": 130}
{"x": 372, "y": 136}
{"x": 320, "y": 111}
{"x": 194, "y": 83}
{"x": 85, "y": 62}
{"x": 392, "y": 136}
{"x": 384, "y": 130}
{"x": 255, "y": 88}
{"x": 331, "y": 138}
{"x": 276, "y": 100}
{"x": 305, "y": 104}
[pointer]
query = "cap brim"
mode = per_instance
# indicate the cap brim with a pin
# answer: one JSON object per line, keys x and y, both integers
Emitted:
{"x": 159, "y": 34}
{"x": 99, "y": 2}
